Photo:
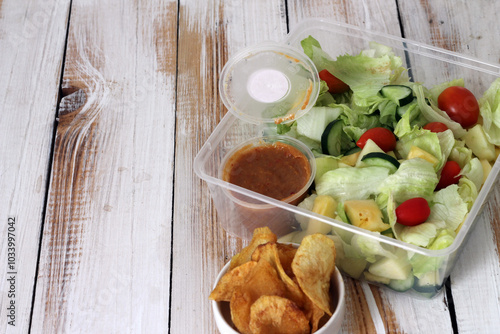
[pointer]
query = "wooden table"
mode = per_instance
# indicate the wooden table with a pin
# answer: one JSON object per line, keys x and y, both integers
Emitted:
{"x": 104, "y": 105}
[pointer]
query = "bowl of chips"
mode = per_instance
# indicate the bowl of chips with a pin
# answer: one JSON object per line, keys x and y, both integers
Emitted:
{"x": 272, "y": 287}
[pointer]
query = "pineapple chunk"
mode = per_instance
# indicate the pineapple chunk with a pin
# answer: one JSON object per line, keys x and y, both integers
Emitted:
{"x": 417, "y": 152}
{"x": 365, "y": 214}
{"x": 350, "y": 159}
{"x": 326, "y": 206}
{"x": 486, "y": 168}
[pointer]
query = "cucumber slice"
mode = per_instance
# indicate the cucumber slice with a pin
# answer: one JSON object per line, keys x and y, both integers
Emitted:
{"x": 381, "y": 160}
{"x": 401, "y": 110}
{"x": 399, "y": 94}
{"x": 331, "y": 138}
{"x": 370, "y": 147}
{"x": 353, "y": 150}
{"x": 403, "y": 284}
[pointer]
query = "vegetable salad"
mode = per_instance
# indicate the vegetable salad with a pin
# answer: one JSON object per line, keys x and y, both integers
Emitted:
{"x": 393, "y": 157}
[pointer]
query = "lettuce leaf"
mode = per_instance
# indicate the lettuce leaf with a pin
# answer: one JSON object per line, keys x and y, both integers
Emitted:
{"x": 468, "y": 191}
{"x": 351, "y": 183}
{"x": 473, "y": 170}
{"x": 371, "y": 248}
{"x": 419, "y": 235}
{"x": 365, "y": 73}
{"x": 414, "y": 178}
{"x": 449, "y": 207}
{"x": 314, "y": 122}
{"x": 423, "y": 264}
{"x": 489, "y": 108}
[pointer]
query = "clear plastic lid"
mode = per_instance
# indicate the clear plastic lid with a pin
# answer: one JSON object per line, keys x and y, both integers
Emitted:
{"x": 269, "y": 83}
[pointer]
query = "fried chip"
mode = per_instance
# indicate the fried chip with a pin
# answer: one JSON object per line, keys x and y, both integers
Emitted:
{"x": 262, "y": 280}
{"x": 233, "y": 279}
{"x": 269, "y": 252}
{"x": 286, "y": 254}
{"x": 276, "y": 315}
{"x": 260, "y": 236}
{"x": 313, "y": 266}
{"x": 278, "y": 288}
{"x": 314, "y": 314}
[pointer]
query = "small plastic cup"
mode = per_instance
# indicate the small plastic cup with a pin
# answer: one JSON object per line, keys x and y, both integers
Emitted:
{"x": 248, "y": 209}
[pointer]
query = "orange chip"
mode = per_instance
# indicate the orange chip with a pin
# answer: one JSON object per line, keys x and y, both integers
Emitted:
{"x": 263, "y": 280}
{"x": 224, "y": 289}
{"x": 313, "y": 266}
{"x": 313, "y": 313}
{"x": 269, "y": 252}
{"x": 286, "y": 254}
{"x": 260, "y": 236}
{"x": 277, "y": 288}
{"x": 276, "y": 315}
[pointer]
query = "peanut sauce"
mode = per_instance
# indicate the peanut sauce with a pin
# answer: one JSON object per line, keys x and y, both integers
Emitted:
{"x": 276, "y": 170}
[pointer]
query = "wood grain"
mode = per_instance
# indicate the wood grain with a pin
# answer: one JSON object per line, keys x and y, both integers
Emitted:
{"x": 209, "y": 33}
{"x": 130, "y": 239}
{"x": 32, "y": 39}
{"x": 105, "y": 260}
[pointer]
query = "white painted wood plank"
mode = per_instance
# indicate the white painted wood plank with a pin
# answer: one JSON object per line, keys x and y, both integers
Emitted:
{"x": 32, "y": 38}
{"x": 105, "y": 259}
{"x": 209, "y": 32}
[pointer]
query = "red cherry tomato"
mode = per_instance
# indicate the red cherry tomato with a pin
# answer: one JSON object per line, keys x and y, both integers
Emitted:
{"x": 335, "y": 85}
{"x": 436, "y": 127}
{"x": 449, "y": 175}
{"x": 413, "y": 212}
{"x": 383, "y": 137}
{"x": 460, "y": 104}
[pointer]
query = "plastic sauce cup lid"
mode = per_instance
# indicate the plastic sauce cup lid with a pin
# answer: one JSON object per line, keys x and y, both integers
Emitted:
{"x": 269, "y": 83}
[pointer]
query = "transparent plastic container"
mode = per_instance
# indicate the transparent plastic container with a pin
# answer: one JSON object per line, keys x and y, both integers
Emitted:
{"x": 427, "y": 64}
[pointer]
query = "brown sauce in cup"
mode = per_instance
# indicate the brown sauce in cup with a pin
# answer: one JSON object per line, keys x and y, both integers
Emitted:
{"x": 276, "y": 170}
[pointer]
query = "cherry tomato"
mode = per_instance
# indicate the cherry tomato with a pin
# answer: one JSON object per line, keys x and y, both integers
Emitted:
{"x": 383, "y": 137}
{"x": 436, "y": 127}
{"x": 460, "y": 104}
{"x": 335, "y": 85}
{"x": 413, "y": 212}
{"x": 449, "y": 175}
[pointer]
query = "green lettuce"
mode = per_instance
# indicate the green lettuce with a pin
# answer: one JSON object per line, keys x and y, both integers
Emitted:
{"x": 489, "y": 108}
{"x": 365, "y": 73}
{"x": 473, "y": 170}
{"x": 423, "y": 264}
{"x": 424, "y": 139}
{"x": 419, "y": 235}
{"x": 352, "y": 183}
{"x": 313, "y": 123}
{"x": 371, "y": 248}
{"x": 460, "y": 153}
{"x": 468, "y": 191}
{"x": 448, "y": 206}
{"x": 414, "y": 178}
